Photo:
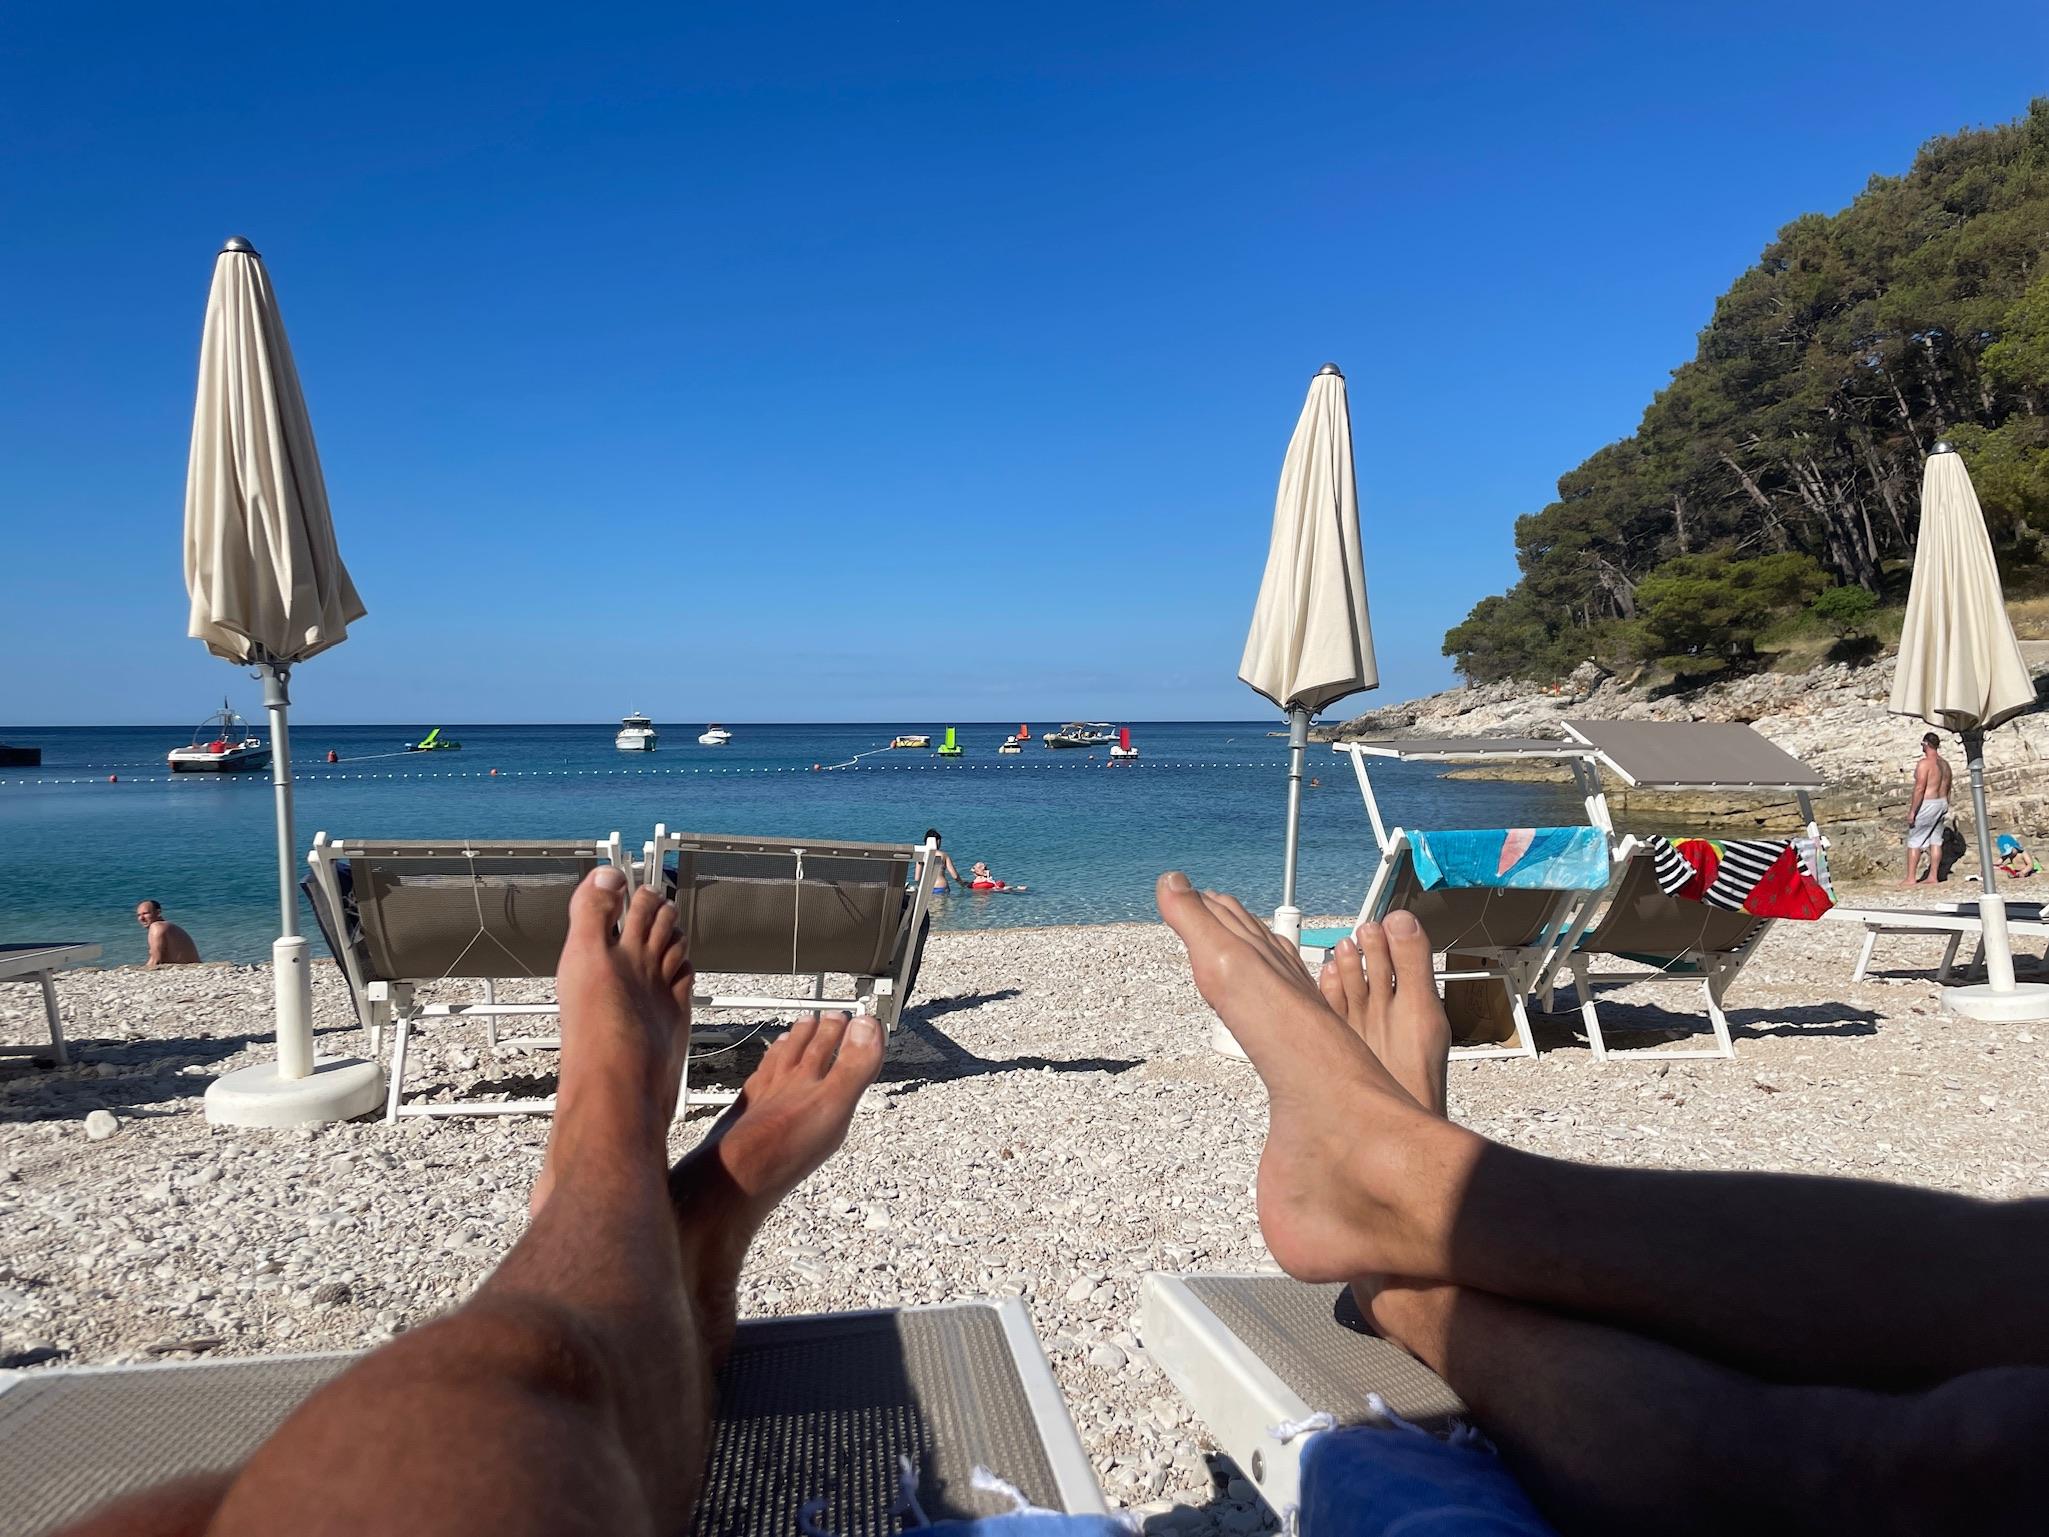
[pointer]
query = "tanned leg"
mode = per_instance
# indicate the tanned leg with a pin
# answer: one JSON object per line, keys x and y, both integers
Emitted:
{"x": 573, "y": 1392}
{"x": 1612, "y": 1432}
{"x": 1358, "y": 1179}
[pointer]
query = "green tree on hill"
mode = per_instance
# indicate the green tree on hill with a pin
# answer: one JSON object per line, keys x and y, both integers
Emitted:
{"x": 1826, "y": 373}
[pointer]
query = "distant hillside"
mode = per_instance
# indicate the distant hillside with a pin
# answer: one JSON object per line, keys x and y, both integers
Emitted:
{"x": 1784, "y": 460}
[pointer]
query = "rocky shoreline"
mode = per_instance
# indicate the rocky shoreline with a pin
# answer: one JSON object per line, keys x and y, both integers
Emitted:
{"x": 1833, "y": 718}
{"x": 1051, "y": 1124}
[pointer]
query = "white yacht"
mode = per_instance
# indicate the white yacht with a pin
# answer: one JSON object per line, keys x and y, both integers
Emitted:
{"x": 715, "y": 736}
{"x": 636, "y": 734}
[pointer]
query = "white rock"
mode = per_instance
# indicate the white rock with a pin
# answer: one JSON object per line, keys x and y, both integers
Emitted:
{"x": 100, "y": 1125}
{"x": 1107, "y": 1356}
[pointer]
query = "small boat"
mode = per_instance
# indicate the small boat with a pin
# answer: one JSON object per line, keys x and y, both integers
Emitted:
{"x": 636, "y": 734}
{"x": 1011, "y": 744}
{"x": 222, "y": 744}
{"x": 1080, "y": 733}
{"x": 910, "y": 741}
{"x": 714, "y": 736}
{"x": 434, "y": 741}
{"x": 1123, "y": 752}
{"x": 949, "y": 748}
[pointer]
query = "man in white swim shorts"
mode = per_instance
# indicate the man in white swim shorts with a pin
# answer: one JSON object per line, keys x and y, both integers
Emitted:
{"x": 1932, "y": 778}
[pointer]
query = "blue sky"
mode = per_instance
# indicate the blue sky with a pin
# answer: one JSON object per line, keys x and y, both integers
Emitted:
{"x": 848, "y": 362}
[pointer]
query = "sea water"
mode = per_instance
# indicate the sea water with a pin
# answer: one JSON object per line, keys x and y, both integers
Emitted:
{"x": 1085, "y": 837}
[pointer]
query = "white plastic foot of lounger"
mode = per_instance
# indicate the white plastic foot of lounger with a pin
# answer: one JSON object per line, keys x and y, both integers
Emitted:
{"x": 2026, "y": 1001}
{"x": 338, "y": 1089}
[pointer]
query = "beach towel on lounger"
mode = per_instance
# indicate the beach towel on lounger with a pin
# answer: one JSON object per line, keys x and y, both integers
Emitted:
{"x": 1527, "y": 858}
{"x": 1765, "y": 877}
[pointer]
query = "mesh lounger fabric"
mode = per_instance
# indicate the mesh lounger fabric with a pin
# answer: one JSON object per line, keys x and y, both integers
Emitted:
{"x": 1642, "y": 920}
{"x": 1472, "y": 917}
{"x": 436, "y": 910}
{"x": 746, "y": 908}
{"x": 809, "y": 1409}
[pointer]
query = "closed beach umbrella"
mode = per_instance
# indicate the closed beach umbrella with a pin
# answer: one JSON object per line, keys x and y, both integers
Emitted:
{"x": 1311, "y": 642}
{"x": 268, "y": 590}
{"x": 1960, "y": 669}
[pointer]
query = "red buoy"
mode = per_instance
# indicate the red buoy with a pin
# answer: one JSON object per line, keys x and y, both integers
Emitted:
{"x": 333, "y": 756}
{"x": 494, "y": 773}
{"x": 111, "y": 779}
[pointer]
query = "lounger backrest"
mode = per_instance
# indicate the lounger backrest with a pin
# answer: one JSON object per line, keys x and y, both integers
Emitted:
{"x": 432, "y": 909}
{"x": 772, "y": 905}
{"x": 1642, "y": 920}
{"x": 1458, "y": 917}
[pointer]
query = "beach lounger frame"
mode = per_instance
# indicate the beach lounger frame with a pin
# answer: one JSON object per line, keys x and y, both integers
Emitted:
{"x": 1518, "y": 967}
{"x": 415, "y": 911}
{"x": 1951, "y": 921}
{"x": 804, "y": 908}
{"x": 1515, "y": 932}
{"x": 39, "y": 963}
{"x": 808, "y": 1408}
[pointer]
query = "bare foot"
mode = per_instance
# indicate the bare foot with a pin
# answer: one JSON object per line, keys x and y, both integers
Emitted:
{"x": 624, "y": 984}
{"x": 791, "y": 1116}
{"x": 1355, "y": 1178}
{"x": 1382, "y": 984}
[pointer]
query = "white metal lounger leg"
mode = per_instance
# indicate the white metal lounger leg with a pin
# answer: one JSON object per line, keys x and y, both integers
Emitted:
{"x": 57, "y": 1047}
{"x": 491, "y": 1020}
{"x": 1584, "y": 986}
{"x": 1949, "y": 956}
{"x": 400, "y": 1026}
{"x": 1864, "y": 955}
{"x": 1715, "y": 986}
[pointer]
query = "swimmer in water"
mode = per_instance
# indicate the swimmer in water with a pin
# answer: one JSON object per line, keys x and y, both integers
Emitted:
{"x": 946, "y": 869}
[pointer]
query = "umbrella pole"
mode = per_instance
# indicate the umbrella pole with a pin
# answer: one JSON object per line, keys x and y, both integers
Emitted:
{"x": 289, "y": 962}
{"x": 1288, "y": 919}
{"x": 1991, "y": 905}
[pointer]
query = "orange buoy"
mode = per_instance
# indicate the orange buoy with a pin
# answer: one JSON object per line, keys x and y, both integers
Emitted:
{"x": 333, "y": 756}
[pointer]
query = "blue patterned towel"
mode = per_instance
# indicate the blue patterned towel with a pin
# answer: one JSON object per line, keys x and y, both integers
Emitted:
{"x": 1528, "y": 858}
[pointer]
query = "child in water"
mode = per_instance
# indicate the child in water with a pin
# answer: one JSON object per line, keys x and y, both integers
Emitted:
{"x": 979, "y": 878}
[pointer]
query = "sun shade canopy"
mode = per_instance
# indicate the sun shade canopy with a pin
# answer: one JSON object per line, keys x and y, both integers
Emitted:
{"x": 1693, "y": 755}
{"x": 1459, "y": 749}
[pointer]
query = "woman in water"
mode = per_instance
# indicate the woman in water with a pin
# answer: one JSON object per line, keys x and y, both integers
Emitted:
{"x": 946, "y": 869}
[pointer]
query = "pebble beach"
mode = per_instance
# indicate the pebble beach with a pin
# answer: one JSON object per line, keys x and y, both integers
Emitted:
{"x": 1051, "y": 1124}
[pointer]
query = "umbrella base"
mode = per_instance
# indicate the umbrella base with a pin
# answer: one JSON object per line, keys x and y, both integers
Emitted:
{"x": 2023, "y": 1002}
{"x": 338, "y": 1089}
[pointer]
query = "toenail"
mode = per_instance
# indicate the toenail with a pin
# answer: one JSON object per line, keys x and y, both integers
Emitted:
{"x": 1403, "y": 923}
{"x": 865, "y": 1031}
{"x": 1176, "y": 881}
{"x": 610, "y": 878}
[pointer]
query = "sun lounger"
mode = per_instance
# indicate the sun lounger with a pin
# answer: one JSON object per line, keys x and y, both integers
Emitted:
{"x": 1670, "y": 939}
{"x": 403, "y": 913}
{"x": 1952, "y": 922}
{"x": 784, "y": 907}
{"x": 809, "y": 1409}
{"x": 40, "y": 963}
{"x": 1488, "y": 933}
{"x": 1249, "y": 1353}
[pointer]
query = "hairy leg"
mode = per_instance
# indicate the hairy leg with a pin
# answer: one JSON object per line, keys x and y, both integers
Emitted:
{"x": 1359, "y": 1179}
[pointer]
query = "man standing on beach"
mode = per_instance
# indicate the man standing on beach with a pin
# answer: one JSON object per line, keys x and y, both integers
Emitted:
{"x": 169, "y": 945}
{"x": 1932, "y": 779}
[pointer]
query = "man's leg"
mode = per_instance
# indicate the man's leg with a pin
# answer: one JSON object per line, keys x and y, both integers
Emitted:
{"x": 572, "y": 1393}
{"x": 1749, "y": 1269}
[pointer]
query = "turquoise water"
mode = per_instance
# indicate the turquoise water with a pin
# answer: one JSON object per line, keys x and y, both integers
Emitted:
{"x": 1086, "y": 838}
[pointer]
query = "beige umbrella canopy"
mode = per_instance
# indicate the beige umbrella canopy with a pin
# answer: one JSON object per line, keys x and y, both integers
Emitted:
{"x": 1311, "y": 641}
{"x": 1960, "y": 668}
{"x": 266, "y": 580}
{"x": 1960, "y": 665}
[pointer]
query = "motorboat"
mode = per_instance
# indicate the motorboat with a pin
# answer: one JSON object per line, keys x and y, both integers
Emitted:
{"x": 910, "y": 741}
{"x": 714, "y": 736}
{"x": 1081, "y": 733}
{"x": 221, "y": 744}
{"x": 636, "y": 734}
{"x": 1123, "y": 752}
{"x": 434, "y": 741}
{"x": 949, "y": 748}
{"x": 1011, "y": 744}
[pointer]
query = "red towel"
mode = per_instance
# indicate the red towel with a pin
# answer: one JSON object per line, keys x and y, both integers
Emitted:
{"x": 1786, "y": 890}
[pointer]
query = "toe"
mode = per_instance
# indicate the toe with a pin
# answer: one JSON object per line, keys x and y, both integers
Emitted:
{"x": 860, "y": 1058}
{"x": 1414, "y": 976}
{"x": 824, "y": 1044}
{"x": 1330, "y": 984}
{"x": 1376, "y": 962}
{"x": 594, "y": 908}
{"x": 640, "y": 917}
{"x": 1186, "y": 913}
{"x": 798, "y": 1037}
{"x": 1352, "y": 978}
